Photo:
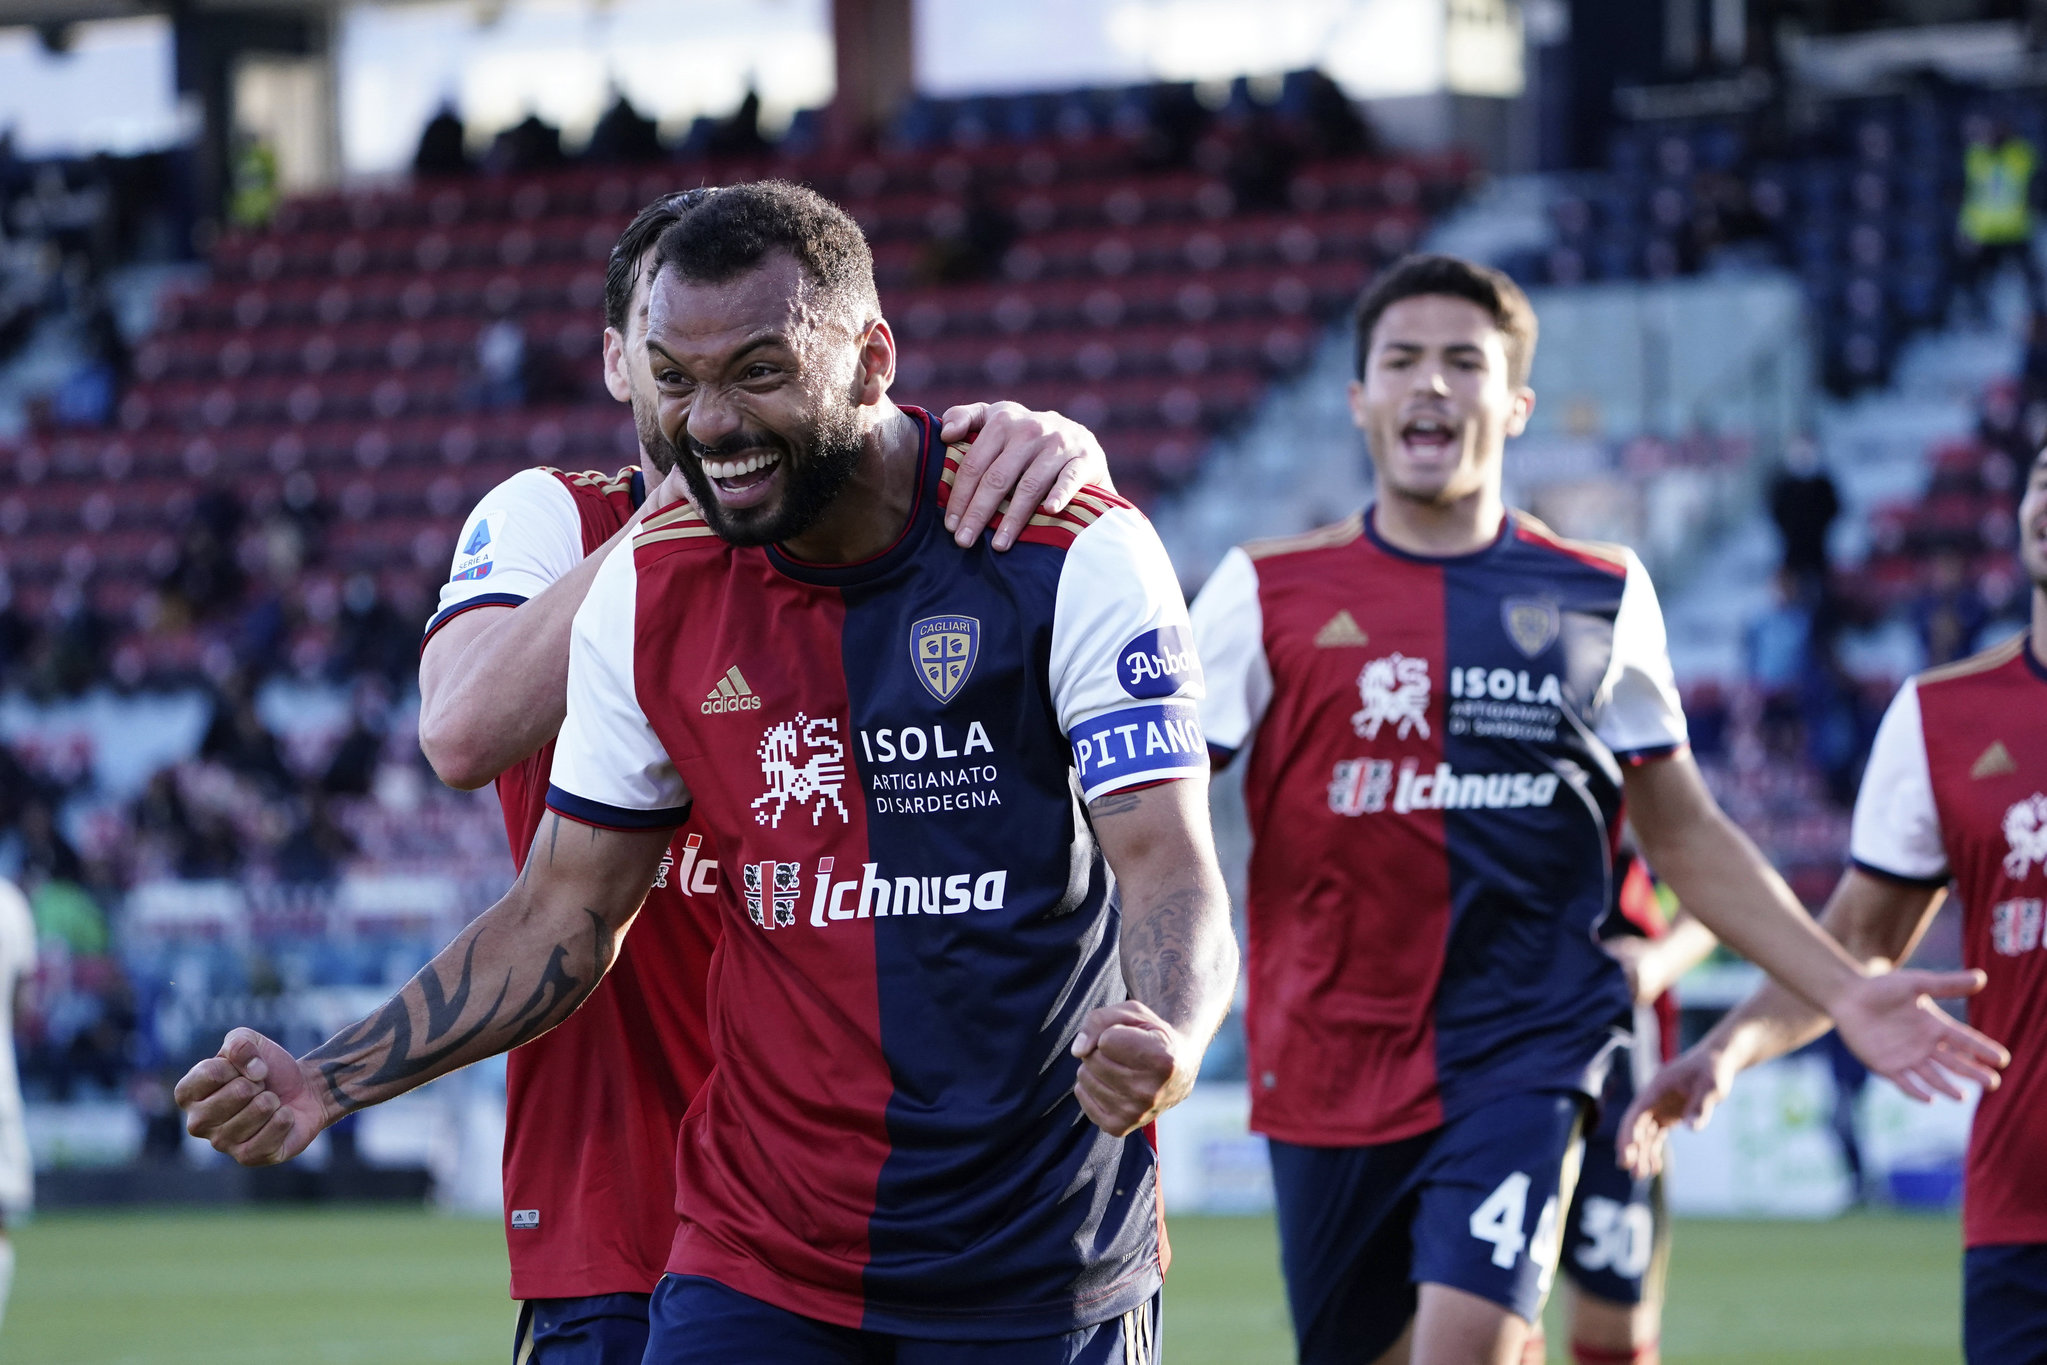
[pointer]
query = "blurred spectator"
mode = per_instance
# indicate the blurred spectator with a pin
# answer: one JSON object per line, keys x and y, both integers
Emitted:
{"x": 528, "y": 145}
{"x": 1996, "y": 224}
{"x": 1804, "y": 504}
{"x": 238, "y": 740}
{"x": 623, "y": 136}
{"x": 500, "y": 364}
{"x": 442, "y": 149}
{"x": 740, "y": 135}
{"x": 1779, "y": 654}
{"x": 1950, "y": 613}
{"x": 1260, "y": 163}
{"x": 253, "y": 200}
{"x": 968, "y": 241}
{"x": 1335, "y": 126}
{"x": 1174, "y": 122}
{"x": 313, "y": 852}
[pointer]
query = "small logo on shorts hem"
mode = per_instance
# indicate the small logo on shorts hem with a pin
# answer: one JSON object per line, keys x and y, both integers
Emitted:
{"x": 525, "y": 1218}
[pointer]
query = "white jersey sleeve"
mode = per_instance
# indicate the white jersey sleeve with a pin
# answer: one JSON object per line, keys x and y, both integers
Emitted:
{"x": 610, "y": 768}
{"x": 1229, "y": 637}
{"x": 1896, "y": 829}
{"x": 1125, "y": 677}
{"x": 525, "y": 534}
{"x": 1637, "y": 713}
{"x": 17, "y": 948}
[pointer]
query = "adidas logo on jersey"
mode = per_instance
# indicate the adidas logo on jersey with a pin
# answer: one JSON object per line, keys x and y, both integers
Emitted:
{"x": 731, "y": 694}
{"x": 1995, "y": 761}
{"x": 1340, "y": 632}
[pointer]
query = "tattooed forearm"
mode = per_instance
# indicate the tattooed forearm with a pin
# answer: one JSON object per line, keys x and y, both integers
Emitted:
{"x": 1180, "y": 958}
{"x": 432, "y": 1027}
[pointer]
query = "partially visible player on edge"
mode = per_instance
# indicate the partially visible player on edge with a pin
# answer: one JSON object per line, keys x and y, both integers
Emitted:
{"x": 1955, "y": 790}
{"x": 593, "y": 1106}
{"x": 1447, "y": 707}
{"x": 1617, "y": 1237}
{"x": 937, "y": 1043}
{"x": 17, "y": 1178}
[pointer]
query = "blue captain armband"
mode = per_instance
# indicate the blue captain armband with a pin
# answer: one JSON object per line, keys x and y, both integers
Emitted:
{"x": 1138, "y": 744}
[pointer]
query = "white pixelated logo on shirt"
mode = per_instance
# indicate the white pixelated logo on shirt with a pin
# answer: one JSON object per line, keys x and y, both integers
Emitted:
{"x": 804, "y": 762}
{"x": 1395, "y": 691}
{"x": 2025, "y": 829}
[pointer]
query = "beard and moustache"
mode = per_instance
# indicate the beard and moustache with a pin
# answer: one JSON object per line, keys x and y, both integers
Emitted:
{"x": 813, "y": 474}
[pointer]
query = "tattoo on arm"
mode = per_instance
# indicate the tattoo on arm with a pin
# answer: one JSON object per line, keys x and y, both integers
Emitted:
{"x": 1160, "y": 952}
{"x": 1115, "y": 803}
{"x": 380, "y": 1056}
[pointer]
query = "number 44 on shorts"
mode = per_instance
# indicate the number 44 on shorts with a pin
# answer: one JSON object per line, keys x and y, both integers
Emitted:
{"x": 1501, "y": 1218}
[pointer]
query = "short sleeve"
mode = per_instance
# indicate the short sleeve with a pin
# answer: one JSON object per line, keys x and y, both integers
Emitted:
{"x": 1125, "y": 677}
{"x": 610, "y": 768}
{"x": 1896, "y": 829}
{"x": 1637, "y": 713}
{"x": 1229, "y": 637}
{"x": 524, "y": 535}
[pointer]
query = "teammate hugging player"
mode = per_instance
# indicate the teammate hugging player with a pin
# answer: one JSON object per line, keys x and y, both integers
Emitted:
{"x": 1446, "y": 706}
{"x": 910, "y": 986}
{"x": 1953, "y": 791}
{"x": 592, "y": 1107}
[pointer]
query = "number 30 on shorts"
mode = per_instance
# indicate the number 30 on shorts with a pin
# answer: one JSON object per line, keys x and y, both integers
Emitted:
{"x": 1500, "y": 1219}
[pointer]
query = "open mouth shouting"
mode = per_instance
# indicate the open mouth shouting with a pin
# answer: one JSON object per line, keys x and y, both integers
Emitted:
{"x": 1427, "y": 435}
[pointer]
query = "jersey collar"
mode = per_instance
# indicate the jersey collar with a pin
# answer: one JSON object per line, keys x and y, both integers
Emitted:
{"x": 1371, "y": 520}
{"x": 2032, "y": 659}
{"x": 923, "y": 513}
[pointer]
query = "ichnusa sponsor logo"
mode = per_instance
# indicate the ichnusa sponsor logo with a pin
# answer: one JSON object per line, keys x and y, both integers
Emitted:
{"x": 1445, "y": 789}
{"x": 871, "y": 895}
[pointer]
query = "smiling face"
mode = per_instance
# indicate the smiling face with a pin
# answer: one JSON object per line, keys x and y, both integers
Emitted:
{"x": 760, "y": 393}
{"x": 1437, "y": 401}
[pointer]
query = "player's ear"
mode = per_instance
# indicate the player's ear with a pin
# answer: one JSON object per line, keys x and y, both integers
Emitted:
{"x": 877, "y": 363}
{"x": 1524, "y": 408}
{"x": 1356, "y": 391}
{"x": 616, "y": 382}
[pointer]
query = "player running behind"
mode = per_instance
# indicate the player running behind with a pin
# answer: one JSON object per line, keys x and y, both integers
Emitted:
{"x": 923, "y": 994}
{"x": 1617, "y": 1237}
{"x": 1447, "y": 707}
{"x": 593, "y": 1106}
{"x": 1953, "y": 792}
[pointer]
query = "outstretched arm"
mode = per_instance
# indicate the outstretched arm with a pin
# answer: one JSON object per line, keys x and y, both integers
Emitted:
{"x": 515, "y": 972}
{"x": 1889, "y": 1020}
{"x": 1139, "y": 1058}
{"x": 1879, "y": 921}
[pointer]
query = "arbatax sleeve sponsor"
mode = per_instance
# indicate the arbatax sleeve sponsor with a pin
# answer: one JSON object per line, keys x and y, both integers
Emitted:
{"x": 1637, "y": 713}
{"x": 610, "y": 769}
{"x": 1229, "y": 637}
{"x": 1896, "y": 829}
{"x": 525, "y": 534}
{"x": 1125, "y": 677}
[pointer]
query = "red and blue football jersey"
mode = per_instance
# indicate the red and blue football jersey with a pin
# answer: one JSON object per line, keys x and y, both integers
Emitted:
{"x": 1957, "y": 788}
{"x": 893, "y": 758}
{"x": 593, "y": 1105}
{"x": 1434, "y": 792}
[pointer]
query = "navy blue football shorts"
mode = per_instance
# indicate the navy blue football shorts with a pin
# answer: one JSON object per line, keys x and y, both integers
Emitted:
{"x": 1474, "y": 1205}
{"x": 2004, "y": 1304}
{"x": 696, "y": 1321}
{"x": 1617, "y": 1240}
{"x": 604, "y": 1329}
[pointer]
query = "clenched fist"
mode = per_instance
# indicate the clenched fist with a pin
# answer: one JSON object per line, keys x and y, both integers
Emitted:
{"x": 253, "y": 1101}
{"x": 1133, "y": 1067}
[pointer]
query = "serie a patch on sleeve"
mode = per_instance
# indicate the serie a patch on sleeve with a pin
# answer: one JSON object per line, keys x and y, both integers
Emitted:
{"x": 479, "y": 549}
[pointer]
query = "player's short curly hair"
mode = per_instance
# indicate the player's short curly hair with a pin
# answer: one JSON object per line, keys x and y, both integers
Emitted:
{"x": 733, "y": 229}
{"x": 1413, "y": 276}
{"x": 622, "y": 269}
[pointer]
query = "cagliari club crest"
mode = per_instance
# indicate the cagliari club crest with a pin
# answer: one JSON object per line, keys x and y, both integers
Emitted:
{"x": 1533, "y": 623}
{"x": 944, "y": 649}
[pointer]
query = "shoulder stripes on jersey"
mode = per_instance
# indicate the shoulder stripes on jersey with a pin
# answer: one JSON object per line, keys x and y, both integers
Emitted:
{"x": 1086, "y": 506}
{"x": 596, "y": 479}
{"x": 680, "y": 522}
{"x": 1596, "y": 554}
{"x": 1997, "y": 656}
{"x": 1321, "y": 538}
